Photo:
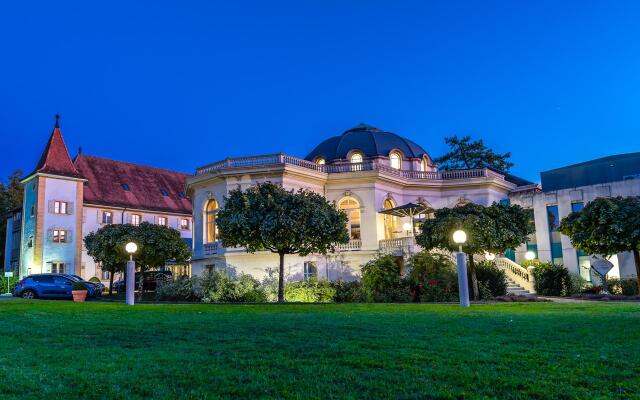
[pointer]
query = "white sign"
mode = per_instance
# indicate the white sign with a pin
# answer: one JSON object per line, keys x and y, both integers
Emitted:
{"x": 8, "y": 274}
{"x": 601, "y": 265}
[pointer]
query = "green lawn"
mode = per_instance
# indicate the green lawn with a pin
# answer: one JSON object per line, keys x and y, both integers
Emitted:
{"x": 62, "y": 350}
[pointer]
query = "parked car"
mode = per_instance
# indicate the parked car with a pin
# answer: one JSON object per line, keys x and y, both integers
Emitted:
{"x": 151, "y": 279}
{"x": 98, "y": 285}
{"x": 49, "y": 286}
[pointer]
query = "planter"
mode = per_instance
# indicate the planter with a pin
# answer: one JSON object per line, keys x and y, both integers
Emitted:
{"x": 79, "y": 295}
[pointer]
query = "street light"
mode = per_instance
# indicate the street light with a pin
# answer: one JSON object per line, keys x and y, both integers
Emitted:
{"x": 529, "y": 255}
{"x": 131, "y": 272}
{"x": 406, "y": 227}
{"x": 489, "y": 256}
{"x": 460, "y": 237}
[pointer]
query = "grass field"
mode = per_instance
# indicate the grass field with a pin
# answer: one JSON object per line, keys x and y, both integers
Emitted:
{"x": 62, "y": 350}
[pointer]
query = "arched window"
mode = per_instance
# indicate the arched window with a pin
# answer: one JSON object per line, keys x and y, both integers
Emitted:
{"x": 320, "y": 160}
{"x": 351, "y": 206}
{"x": 423, "y": 164}
{"x": 356, "y": 157}
{"x": 210, "y": 215}
{"x": 395, "y": 160}
{"x": 390, "y": 221}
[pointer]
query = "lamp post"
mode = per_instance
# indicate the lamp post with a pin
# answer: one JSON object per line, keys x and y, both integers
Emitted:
{"x": 131, "y": 272}
{"x": 489, "y": 256}
{"x": 460, "y": 237}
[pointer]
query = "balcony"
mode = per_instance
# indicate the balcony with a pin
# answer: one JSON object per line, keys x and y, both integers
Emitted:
{"x": 343, "y": 167}
{"x": 354, "y": 244}
{"x": 211, "y": 248}
{"x": 399, "y": 246}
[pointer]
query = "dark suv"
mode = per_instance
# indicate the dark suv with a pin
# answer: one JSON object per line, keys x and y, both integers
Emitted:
{"x": 151, "y": 279}
{"x": 50, "y": 286}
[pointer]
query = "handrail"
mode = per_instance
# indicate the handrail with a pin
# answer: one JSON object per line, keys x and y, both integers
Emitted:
{"x": 344, "y": 167}
{"x": 518, "y": 273}
{"x": 354, "y": 244}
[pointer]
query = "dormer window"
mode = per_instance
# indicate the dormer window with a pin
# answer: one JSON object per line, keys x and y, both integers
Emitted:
{"x": 356, "y": 157}
{"x": 395, "y": 160}
{"x": 164, "y": 192}
{"x": 125, "y": 187}
{"x": 320, "y": 161}
{"x": 181, "y": 195}
{"x": 423, "y": 165}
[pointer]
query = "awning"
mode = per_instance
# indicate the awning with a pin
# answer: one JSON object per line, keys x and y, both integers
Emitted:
{"x": 407, "y": 210}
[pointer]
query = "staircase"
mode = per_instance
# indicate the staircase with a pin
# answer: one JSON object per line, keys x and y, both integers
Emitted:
{"x": 514, "y": 288}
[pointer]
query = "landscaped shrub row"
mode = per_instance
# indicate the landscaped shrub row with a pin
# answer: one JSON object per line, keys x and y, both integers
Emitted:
{"x": 431, "y": 278}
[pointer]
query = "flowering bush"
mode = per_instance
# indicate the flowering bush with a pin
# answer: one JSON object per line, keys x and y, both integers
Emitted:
{"x": 349, "y": 292}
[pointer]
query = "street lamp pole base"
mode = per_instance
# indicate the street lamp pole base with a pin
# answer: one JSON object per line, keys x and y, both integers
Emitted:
{"x": 463, "y": 284}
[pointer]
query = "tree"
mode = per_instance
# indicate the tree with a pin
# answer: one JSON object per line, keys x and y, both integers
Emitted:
{"x": 268, "y": 217}
{"x": 606, "y": 226}
{"x": 157, "y": 244}
{"x": 106, "y": 246}
{"x": 10, "y": 199}
{"x": 492, "y": 229}
{"x": 467, "y": 154}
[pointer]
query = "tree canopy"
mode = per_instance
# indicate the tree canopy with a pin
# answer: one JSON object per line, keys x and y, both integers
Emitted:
{"x": 492, "y": 229}
{"x": 157, "y": 244}
{"x": 10, "y": 199}
{"x": 606, "y": 226}
{"x": 269, "y": 217}
{"x": 467, "y": 154}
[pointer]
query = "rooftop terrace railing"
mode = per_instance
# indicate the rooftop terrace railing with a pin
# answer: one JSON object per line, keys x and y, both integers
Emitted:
{"x": 342, "y": 167}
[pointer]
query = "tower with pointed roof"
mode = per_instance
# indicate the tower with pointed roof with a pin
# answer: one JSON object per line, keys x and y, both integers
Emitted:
{"x": 52, "y": 212}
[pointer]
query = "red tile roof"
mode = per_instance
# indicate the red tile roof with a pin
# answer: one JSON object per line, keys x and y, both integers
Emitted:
{"x": 146, "y": 185}
{"x": 55, "y": 158}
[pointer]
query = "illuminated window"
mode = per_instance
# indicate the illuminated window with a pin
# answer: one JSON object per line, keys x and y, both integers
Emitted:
{"x": 390, "y": 221}
{"x": 162, "y": 221}
{"x": 60, "y": 207}
{"x": 320, "y": 161}
{"x": 351, "y": 206}
{"x": 135, "y": 219}
{"x": 210, "y": 215}
{"x": 184, "y": 223}
{"x": 59, "y": 236}
{"x": 57, "y": 268}
{"x": 107, "y": 217}
{"x": 395, "y": 160}
{"x": 423, "y": 165}
{"x": 356, "y": 157}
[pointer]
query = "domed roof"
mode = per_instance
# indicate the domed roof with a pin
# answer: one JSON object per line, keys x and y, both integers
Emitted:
{"x": 369, "y": 140}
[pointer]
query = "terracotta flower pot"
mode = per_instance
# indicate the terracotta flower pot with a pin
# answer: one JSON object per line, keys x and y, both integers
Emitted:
{"x": 79, "y": 295}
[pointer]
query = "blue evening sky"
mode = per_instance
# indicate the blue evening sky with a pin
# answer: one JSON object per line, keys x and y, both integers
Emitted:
{"x": 179, "y": 84}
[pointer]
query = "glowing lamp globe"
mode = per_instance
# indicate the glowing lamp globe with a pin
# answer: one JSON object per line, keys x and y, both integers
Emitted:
{"x": 529, "y": 255}
{"x": 406, "y": 226}
{"x": 489, "y": 256}
{"x": 131, "y": 247}
{"x": 459, "y": 237}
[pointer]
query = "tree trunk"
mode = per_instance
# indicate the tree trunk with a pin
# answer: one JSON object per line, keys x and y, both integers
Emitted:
{"x": 636, "y": 260}
{"x": 141, "y": 284}
{"x": 281, "y": 279}
{"x": 110, "y": 283}
{"x": 474, "y": 278}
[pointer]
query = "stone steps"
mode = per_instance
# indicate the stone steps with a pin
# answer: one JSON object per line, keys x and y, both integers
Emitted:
{"x": 513, "y": 287}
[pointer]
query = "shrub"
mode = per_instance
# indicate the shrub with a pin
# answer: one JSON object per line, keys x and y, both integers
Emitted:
{"x": 492, "y": 281}
{"x": 625, "y": 287}
{"x": 219, "y": 287}
{"x": 349, "y": 292}
{"x": 382, "y": 282}
{"x": 550, "y": 279}
{"x": 310, "y": 291}
{"x": 94, "y": 279}
{"x": 579, "y": 284}
{"x": 433, "y": 277}
{"x": 181, "y": 289}
{"x": 78, "y": 285}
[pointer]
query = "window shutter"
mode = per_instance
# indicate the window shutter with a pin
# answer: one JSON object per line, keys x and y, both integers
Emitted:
{"x": 51, "y": 206}
{"x": 98, "y": 216}
{"x": 50, "y": 235}
{"x": 49, "y": 265}
{"x": 69, "y": 208}
{"x": 69, "y": 233}
{"x": 129, "y": 218}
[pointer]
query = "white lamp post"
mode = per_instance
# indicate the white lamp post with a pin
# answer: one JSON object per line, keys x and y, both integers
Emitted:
{"x": 529, "y": 255}
{"x": 460, "y": 237}
{"x": 131, "y": 272}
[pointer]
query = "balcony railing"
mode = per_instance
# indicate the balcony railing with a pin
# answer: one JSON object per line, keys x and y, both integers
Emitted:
{"x": 354, "y": 244}
{"x": 343, "y": 167}
{"x": 398, "y": 243}
{"x": 211, "y": 248}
